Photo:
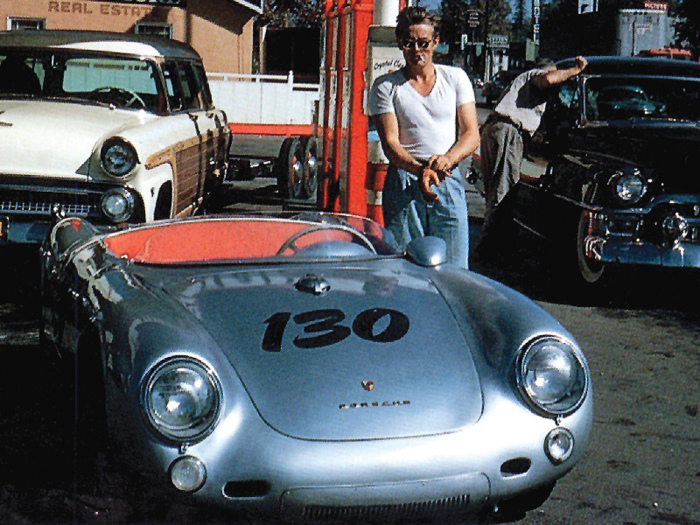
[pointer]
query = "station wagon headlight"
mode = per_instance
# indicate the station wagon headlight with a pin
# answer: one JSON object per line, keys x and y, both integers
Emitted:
{"x": 118, "y": 157}
{"x": 628, "y": 188}
{"x": 181, "y": 399}
{"x": 118, "y": 204}
{"x": 552, "y": 376}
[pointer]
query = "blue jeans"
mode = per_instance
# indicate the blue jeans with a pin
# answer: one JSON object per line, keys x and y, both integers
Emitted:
{"x": 407, "y": 215}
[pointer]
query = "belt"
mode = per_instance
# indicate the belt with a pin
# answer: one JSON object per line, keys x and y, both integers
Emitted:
{"x": 503, "y": 119}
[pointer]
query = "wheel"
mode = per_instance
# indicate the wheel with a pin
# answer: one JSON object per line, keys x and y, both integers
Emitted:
{"x": 125, "y": 97}
{"x": 310, "y": 167}
{"x": 163, "y": 203}
{"x": 590, "y": 270}
{"x": 290, "y": 244}
{"x": 90, "y": 419}
{"x": 290, "y": 169}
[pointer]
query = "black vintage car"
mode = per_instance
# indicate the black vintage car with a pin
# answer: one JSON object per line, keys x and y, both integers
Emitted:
{"x": 614, "y": 178}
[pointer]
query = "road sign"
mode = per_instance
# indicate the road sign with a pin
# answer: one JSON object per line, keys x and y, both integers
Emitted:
{"x": 473, "y": 18}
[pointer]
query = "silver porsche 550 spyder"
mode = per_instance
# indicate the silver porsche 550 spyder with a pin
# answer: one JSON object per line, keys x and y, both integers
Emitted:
{"x": 301, "y": 367}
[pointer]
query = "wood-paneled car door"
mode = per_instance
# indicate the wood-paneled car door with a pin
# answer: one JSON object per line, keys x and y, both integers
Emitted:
{"x": 195, "y": 157}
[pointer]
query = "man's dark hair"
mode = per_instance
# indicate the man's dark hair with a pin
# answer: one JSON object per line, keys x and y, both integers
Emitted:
{"x": 414, "y": 15}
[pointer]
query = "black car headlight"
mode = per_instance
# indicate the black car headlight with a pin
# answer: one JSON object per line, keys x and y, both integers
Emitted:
{"x": 628, "y": 187}
{"x": 118, "y": 157}
{"x": 552, "y": 376}
{"x": 118, "y": 204}
{"x": 182, "y": 398}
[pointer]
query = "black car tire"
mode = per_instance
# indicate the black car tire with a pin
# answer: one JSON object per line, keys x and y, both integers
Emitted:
{"x": 290, "y": 169}
{"x": 592, "y": 273}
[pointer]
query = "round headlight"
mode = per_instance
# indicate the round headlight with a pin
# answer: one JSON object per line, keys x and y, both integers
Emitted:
{"x": 552, "y": 376}
{"x": 118, "y": 204}
{"x": 118, "y": 157}
{"x": 182, "y": 398}
{"x": 628, "y": 188}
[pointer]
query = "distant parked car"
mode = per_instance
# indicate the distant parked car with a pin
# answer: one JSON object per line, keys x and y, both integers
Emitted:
{"x": 110, "y": 127}
{"x": 614, "y": 181}
{"x": 494, "y": 88}
{"x": 302, "y": 367}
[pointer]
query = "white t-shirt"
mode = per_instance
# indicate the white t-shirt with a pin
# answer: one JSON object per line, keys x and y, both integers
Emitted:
{"x": 427, "y": 125}
{"x": 523, "y": 102}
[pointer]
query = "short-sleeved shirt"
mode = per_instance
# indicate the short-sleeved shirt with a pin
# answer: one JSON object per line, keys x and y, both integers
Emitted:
{"x": 523, "y": 102}
{"x": 427, "y": 125}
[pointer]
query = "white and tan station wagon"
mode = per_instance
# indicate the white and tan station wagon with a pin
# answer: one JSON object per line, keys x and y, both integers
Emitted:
{"x": 111, "y": 127}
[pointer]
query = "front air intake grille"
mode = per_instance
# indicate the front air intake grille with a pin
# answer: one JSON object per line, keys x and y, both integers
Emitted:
{"x": 441, "y": 507}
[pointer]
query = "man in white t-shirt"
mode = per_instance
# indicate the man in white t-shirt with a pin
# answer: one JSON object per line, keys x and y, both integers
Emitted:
{"x": 425, "y": 115}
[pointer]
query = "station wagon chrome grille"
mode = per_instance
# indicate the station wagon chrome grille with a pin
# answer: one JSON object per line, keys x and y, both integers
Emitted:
{"x": 44, "y": 208}
{"x": 456, "y": 504}
{"x": 29, "y": 201}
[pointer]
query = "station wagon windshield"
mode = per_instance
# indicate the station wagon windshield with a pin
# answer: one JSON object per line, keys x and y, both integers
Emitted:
{"x": 622, "y": 98}
{"x": 123, "y": 82}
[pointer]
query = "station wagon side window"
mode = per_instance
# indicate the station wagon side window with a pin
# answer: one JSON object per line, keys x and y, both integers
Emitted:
{"x": 185, "y": 89}
{"x": 172, "y": 86}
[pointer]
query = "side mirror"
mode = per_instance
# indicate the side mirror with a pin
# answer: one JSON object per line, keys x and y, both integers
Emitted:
{"x": 427, "y": 251}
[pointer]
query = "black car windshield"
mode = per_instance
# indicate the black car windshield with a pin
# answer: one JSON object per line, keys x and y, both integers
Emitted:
{"x": 622, "y": 98}
{"x": 97, "y": 78}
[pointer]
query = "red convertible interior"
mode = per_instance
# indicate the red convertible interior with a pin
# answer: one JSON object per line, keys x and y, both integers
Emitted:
{"x": 219, "y": 239}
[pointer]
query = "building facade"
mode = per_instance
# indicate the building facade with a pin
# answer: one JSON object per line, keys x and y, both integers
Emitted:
{"x": 220, "y": 30}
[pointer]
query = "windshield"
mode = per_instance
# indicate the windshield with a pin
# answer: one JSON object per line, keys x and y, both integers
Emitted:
{"x": 121, "y": 82}
{"x": 306, "y": 236}
{"x": 621, "y": 98}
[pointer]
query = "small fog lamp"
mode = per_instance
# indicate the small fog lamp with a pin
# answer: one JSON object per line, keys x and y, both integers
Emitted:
{"x": 559, "y": 445}
{"x": 188, "y": 474}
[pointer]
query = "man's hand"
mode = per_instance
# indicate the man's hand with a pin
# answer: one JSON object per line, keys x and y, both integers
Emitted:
{"x": 430, "y": 177}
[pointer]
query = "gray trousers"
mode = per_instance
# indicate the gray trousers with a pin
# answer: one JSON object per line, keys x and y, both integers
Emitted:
{"x": 501, "y": 159}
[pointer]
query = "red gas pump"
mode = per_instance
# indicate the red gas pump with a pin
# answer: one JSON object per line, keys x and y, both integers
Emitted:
{"x": 359, "y": 46}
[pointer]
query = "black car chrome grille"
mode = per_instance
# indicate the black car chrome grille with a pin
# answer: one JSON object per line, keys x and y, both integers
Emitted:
{"x": 652, "y": 225}
{"x": 446, "y": 506}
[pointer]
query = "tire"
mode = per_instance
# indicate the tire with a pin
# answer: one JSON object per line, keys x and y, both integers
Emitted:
{"x": 290, "y": 169}
{"x": 90, "y": 419}
{"x": 163, "y": 203}
{"x": 591, "y": 272}
{"x": 311, "y": 167}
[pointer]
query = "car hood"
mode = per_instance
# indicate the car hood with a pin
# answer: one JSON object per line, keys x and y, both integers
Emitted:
{"x": 379, "y": 355}
{"x": 47, "y": 138}
{"x": 670, "y": 146}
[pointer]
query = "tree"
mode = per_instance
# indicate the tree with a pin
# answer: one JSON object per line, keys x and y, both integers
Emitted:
{"x": 292, "y": 13}
{"x": 688, "y": 27}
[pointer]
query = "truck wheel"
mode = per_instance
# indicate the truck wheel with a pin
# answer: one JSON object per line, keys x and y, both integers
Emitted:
{"x": 311, "y": 167}
{"x": 290, "y": 169}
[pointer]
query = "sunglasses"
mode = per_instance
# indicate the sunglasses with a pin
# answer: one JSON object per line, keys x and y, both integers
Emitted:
{"x": 420, "y": 44}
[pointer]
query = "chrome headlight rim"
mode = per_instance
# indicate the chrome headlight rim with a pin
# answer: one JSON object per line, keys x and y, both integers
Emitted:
{"x": 622, "y": 183}
{"x": 118, "y": 157}
{"x": 566, "y": 404}
{"x": 128, "y": 200}
{"x": 195, "y": 431}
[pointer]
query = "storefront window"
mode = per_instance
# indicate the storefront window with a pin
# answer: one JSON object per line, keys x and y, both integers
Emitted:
{"x": 154, "y": 28}
{"x": 14, "y": 24}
